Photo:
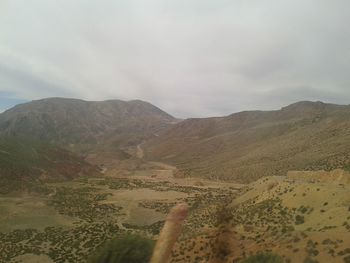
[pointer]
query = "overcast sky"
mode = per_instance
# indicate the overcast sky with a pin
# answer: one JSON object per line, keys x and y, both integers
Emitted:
{"x": 192, "y": 58}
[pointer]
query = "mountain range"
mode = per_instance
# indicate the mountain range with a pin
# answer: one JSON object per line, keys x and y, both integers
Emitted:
{"x": 248, "y": 145}
{"x": 239, "y": 147}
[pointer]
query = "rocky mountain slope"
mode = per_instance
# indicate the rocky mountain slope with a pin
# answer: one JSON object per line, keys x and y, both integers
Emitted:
{"x": 248, "y": 145}
{"x": 241, "y": 147}
{"x": 26, "y": 163}
{"x": 40, "y": 140}
{"x": 79, "y": 123}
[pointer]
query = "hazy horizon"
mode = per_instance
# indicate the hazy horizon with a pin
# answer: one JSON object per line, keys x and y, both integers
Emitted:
{"x": 209, "y": 116}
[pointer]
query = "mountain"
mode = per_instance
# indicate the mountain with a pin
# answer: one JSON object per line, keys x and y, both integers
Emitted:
{"x": 243, "y": 146}
{"x": 40, "y": 140}
{"x": 80, "y": 123}
{"x": 26, "y": 163}
{"x": 248, "y": 145}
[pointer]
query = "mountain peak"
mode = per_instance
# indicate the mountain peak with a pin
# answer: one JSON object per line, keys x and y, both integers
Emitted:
{"x": 308, "y": 105}
{"x": 71, "y": 121}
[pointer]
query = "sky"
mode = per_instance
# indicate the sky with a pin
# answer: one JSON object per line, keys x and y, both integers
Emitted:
{"x": 192, "y": 58}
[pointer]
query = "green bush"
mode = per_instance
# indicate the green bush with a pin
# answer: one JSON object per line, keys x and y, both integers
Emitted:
{"x": 128, "y": 249}
{"x": 310, "y": 260}
{"x": 263, "y": 258}
{"x": 299, "y": 220}
{"x": 347, "y": 167}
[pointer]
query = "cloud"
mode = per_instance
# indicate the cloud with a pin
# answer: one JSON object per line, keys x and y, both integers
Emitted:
{"x": 191, "y": 58}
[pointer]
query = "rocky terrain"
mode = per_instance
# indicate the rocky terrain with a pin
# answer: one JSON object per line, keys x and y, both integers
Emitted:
{"x": 298, "y": 218}
{"x": 68, "y": 221}
{"x": 25, "y": 164}
{"x": 81, "y": 125}
{"x": 248, "y": 145}
{"x": 74, "y": 174}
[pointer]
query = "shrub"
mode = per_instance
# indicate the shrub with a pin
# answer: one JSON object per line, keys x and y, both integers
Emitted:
{"x": 299, "y": 220}
{"x": 347, "y": 167}
{"x": 128, "y": 249}
{"x": 263, "y": 258}
{"x": 310, "y": 260}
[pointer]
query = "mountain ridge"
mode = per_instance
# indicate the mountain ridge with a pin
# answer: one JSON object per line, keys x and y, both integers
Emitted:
{"x": 74, "y": 121}
{"x": 247, "y": 145}
{"x": 242, "y": 146}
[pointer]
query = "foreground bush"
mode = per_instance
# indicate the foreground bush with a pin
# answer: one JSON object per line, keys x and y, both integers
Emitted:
{"x": 263, "y": 258}
{"x": 128, "y": 249}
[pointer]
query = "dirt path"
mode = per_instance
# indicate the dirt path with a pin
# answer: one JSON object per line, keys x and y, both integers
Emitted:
{"x": 164, "y": 170}
{"x": 164, "y": 166}
{"x": 139, "y": 152}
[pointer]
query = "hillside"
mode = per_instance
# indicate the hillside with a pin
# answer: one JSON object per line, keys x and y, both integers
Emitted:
{"x": 26, "y": 163}
{"x": 248, "y": 145}
{"x": 82, "y": 124}
{"x": 299, "y": 219}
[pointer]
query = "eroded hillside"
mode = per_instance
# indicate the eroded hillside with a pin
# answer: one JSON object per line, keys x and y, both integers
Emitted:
{"x": 25, "y": 164}
{"x": 248, "y": 145}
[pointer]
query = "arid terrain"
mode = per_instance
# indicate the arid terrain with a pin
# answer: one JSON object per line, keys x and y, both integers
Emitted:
{"x": 298, "y": 218}
{"x": 248, "y": 145}
{"x": 301, "y": 216}
{"x": 255, "y": 182}
{"x": 89, "y": 210}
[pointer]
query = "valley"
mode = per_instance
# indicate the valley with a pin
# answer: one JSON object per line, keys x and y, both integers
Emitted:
{"x": 256, "y": 182}
{"x": 293, "y": 216}
{"x": 185, "y": 131}
{"x": 89, "y": 210}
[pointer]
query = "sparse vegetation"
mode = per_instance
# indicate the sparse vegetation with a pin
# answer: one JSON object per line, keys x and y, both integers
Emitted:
{"x": 270, "y": 213}
{"x": 26, "y": 163}
{"x": 83, "y": 203}
{"x": 263, "y": 258}
{"x": 126, "y": 249}
{"x": 299, "y": 220}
